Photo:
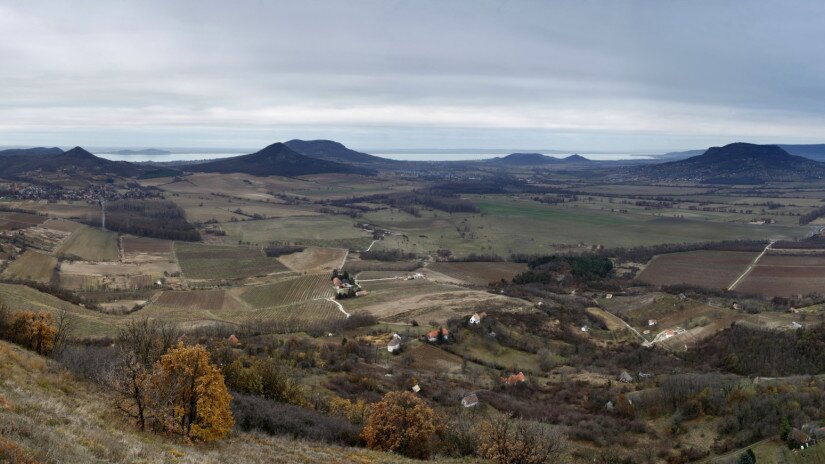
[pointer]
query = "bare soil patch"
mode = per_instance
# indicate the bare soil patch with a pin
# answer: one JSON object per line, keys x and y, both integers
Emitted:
{"x": 479, "y": 273}
{"x": 314, "y": 259}
{"x": 707, "y": 269}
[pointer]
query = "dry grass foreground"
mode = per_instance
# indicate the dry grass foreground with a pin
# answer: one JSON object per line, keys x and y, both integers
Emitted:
{"x": 51, "y": 417}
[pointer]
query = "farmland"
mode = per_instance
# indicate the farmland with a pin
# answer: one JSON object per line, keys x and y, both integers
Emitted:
{"x": 785, "y": 275}
{"x": 479, "y": 273}
{"x": 300, "y": 230}
{"x": 91, "y": 244}
{"x": 708, "y": 269}
{"x": 289, "y": 291}
{"x": 209, "y": 262}
{"x": 32, "y": 265}
{"x": 14, "y": 221}
{"x": 314, "y": 259}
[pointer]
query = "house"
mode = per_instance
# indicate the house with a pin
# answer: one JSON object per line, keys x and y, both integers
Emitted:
{"x": 609, "y": 296}
{"x": 337, "y": 282}
{"x": 652, "y": 322}
{"x": 477, "y": 318}
{"x": 625, "y": 377}
{"x": 470, "y": 401}
{"x": 584, "y": 328}
{"x": 433, "y": 334}
{"x": 513, "y": 379}
{"x": 416, "y": 388}
{"x": 233, "y": 340}
{"x": 736, "y": 306}
{"x": 609, "y": 406}
{"x": 799, "y": 439}
{"x": 394, "y": 345}
{"x": 795, "y": 325}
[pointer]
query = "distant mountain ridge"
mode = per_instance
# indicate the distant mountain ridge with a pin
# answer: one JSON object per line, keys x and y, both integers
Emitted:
{"x": 536, "y": 159}
{"x": 329, "y": 150}
{"x": 276, "y": 160}
{"x": 738, "y": 163}
{"x": 75, "y": 159}
{"x": 31, "y": 151}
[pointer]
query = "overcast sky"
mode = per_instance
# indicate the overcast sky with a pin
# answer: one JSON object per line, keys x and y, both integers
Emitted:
{"x": 578, "y": 75}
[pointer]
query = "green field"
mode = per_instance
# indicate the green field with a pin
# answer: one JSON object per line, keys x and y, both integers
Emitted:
{"x": 520, "y": 225}
{"x": 91, "y": 244}
{"x": 303, "y": 230}
{"x": 32, "y": 265}
{"x": 210, "y": 262}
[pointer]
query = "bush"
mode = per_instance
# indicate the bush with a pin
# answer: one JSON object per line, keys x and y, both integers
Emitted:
{"x": 403, "y": 423}
{"x": 256, "y": 413}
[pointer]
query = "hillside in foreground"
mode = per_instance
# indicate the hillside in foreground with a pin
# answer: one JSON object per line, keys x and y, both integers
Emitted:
{"x": 47, "y": 415}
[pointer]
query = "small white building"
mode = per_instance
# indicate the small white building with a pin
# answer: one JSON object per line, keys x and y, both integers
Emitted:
{"x": 394, "y": 345}
{"x": 477, "y": 318}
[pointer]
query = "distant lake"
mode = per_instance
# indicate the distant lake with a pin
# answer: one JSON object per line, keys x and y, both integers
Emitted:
{"x": 165, "y": 158}
{"x": 405, "y": 155}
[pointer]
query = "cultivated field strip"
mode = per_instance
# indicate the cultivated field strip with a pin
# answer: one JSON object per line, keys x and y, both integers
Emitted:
{"x": 289, "y": 291}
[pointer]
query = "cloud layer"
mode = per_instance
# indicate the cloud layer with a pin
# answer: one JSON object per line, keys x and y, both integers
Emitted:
{"x": 571, "y": 75}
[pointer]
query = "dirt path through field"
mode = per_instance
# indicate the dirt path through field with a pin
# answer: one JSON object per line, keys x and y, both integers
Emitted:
{"x": 749, "y": 268}
{"x": 340, "y": 306}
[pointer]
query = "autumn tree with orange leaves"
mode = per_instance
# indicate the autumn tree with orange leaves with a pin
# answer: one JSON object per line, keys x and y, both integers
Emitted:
{"x": 189, "y": 395}
{"x": 35, "y": 331}
{"x": 401, "y": 422}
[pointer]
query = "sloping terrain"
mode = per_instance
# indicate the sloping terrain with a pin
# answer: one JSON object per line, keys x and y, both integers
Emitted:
{"x": 738, "y": 163}
{"x": 47, "y": 415}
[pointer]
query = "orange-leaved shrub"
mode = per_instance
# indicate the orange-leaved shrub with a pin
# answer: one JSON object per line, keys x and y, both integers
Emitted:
{"x": 401, "y": 422}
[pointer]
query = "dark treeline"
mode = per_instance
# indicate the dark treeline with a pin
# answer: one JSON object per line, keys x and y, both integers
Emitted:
{"x": 646, "y": 253}
{"x": 150, "y": 218}
{"x": 585, "y": 267}
{"x": 815, "y": 214}
{"x": 815, "y": 242}
{"x": 750, "y": 350}
{"x": 273, "y": 251}
{"x": 434, "y": 198}
{"x": 388, "y": 255}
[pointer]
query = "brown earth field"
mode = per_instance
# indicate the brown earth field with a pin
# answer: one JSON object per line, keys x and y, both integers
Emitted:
{"x": 143, "y": 245}
{"x": 314, "y": 259}
{"x": 783, "y": 280}
{"x": 708, "y": 269}
{"x": 479, "y": 273}
{"x": 14, "y": 221}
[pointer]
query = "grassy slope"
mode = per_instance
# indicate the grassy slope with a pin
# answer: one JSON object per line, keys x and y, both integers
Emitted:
{"x": 56, "y": 418}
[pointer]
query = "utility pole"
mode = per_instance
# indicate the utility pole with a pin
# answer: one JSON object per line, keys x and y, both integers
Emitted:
{"x": 103, "y": 213}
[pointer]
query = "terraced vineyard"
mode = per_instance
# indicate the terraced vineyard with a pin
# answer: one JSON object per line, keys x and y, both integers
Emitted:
{"x": 32, "y": 265}
{"x": 91, "y": 244}
{"x": 289, "y": 291}
{"x": 222, "y": 262}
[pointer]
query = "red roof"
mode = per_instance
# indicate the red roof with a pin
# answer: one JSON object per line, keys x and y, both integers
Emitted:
{"x": 514, "y": 379}
{"x": 434, "y": 333}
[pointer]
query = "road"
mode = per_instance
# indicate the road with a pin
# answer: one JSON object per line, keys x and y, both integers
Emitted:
{"x": 753, "y": 263}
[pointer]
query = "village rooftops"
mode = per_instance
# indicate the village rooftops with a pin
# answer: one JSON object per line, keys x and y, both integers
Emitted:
{"x": 433, "y": 334}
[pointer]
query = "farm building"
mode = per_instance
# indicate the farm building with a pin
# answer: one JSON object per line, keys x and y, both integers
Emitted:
{"x": 233, "y": 340}
{"x": 625, "y": 377}
{"x": 799, "y": 438}
{"x": 477, "y": 318}
{"x": 395, "y": 344}
{"x": 432, "y": 336}
{"x": 470, "y": 401}
{"x": 513, "y": 379}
